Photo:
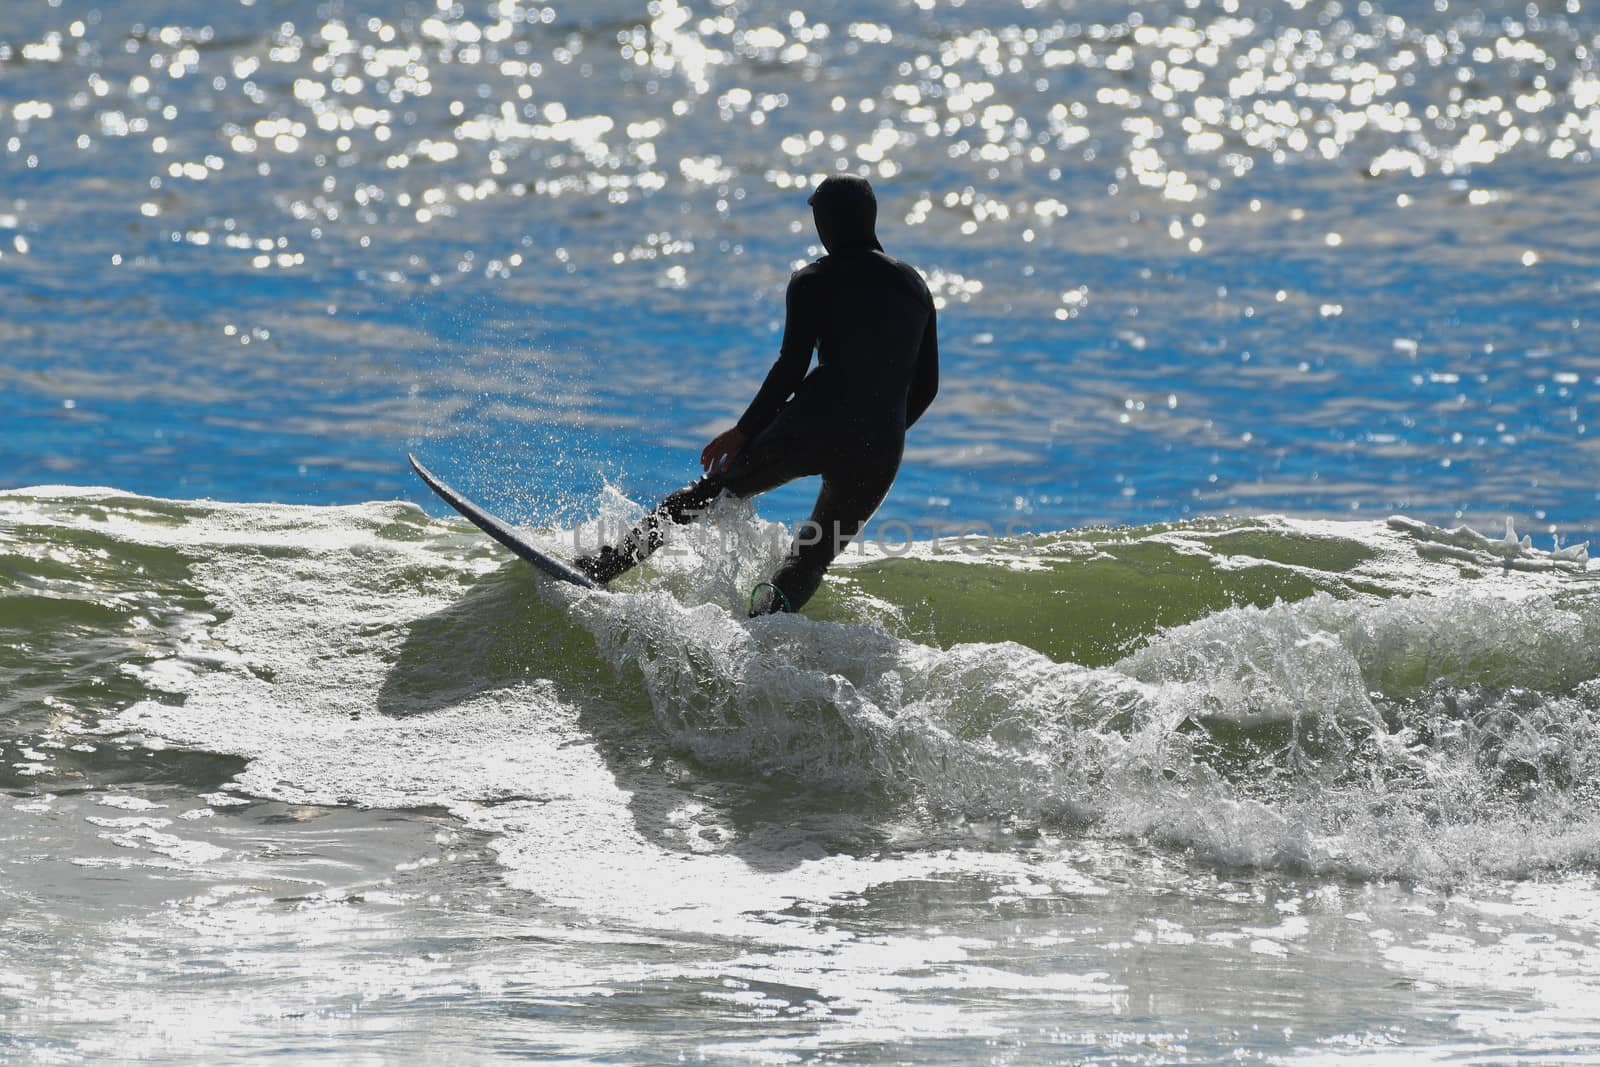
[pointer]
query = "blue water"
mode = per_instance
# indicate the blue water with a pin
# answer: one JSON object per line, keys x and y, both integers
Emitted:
{"x": 1218, "y": 353}
{"x": 1282, "y": 766}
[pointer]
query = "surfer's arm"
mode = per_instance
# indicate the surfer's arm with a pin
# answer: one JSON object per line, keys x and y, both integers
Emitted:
{"x": 794, "y": 357}
{"x": 925, "y": 379}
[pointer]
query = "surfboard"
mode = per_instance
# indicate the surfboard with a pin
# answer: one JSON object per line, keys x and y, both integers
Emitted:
{"x": 502, "y": 531}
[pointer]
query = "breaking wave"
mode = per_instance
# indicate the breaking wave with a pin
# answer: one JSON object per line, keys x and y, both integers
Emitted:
{"x": 1379, "y": 699}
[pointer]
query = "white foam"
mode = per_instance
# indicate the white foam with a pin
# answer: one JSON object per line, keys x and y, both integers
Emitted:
{"x": 319, "y": 611}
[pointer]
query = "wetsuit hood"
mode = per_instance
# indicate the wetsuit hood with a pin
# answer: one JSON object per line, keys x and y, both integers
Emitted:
{"x": 846, "y": 212}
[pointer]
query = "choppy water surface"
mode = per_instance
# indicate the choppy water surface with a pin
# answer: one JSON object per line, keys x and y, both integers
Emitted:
{"x": 1312, "y": 257}
{"x": 337, "y": 780}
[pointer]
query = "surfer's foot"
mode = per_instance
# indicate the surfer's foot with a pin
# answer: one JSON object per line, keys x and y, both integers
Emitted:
{"x": 604, "y": 565}
{"x": 768, "y": 599}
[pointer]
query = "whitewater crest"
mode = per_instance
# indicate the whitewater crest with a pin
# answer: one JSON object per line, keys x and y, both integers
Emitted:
{"x": 1431, "y": 737}
{"x": 1512, "y": 549}
{"x": 1413, "y": 713}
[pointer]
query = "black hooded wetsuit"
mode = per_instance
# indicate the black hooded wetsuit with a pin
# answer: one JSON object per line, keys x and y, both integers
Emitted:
{"x": 870, "y": 319}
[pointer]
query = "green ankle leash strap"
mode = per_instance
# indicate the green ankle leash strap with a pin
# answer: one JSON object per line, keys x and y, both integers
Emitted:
{"x": 780, "y": 594}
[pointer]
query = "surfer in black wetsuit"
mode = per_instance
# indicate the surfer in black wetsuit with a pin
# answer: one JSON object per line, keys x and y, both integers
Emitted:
{"x": 870, "y": 319}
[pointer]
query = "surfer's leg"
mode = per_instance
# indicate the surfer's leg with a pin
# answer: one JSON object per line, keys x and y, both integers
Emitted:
{"x": 679, "y": 507}
{"x": 766, "y": 463}
{"x": 843, "y": 507}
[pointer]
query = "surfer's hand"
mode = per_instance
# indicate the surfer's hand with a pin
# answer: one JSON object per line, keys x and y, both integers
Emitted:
{"x": 723, "y": 447}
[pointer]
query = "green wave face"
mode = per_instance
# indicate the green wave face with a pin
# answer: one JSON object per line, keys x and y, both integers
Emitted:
{"x": 1375, "y": 698}
{"x": 1091, "y": 598}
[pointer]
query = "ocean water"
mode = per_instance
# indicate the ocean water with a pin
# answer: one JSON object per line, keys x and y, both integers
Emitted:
{"x": 1255, "y": 716}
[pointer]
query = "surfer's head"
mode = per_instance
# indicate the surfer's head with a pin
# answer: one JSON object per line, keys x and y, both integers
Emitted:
{"x": 846, "y": 214}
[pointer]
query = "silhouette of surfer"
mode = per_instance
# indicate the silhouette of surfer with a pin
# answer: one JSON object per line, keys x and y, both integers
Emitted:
{"x": 870, "y": 319}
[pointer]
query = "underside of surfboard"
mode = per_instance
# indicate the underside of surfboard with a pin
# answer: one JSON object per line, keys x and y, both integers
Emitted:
{"x": 502, "y": 531}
